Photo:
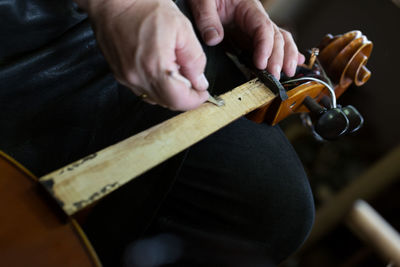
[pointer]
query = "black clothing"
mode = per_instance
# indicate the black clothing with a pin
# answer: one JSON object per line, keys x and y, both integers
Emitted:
{"x": 238, "y": 198}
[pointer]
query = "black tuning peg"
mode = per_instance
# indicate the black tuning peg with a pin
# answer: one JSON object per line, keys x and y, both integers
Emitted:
{"x": 356, "y": 120}
{"x": 329, "y": 123}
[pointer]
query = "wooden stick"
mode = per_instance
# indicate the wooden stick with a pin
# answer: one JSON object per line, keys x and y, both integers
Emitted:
{"x": 91, "y": 178}
{"x": 369, "y": 225}
{"x": 368, "y": 185}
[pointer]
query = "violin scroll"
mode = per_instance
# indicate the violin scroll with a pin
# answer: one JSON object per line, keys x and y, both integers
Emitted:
{"x": 332, "y": 67}
{"x": 344, "y": 58}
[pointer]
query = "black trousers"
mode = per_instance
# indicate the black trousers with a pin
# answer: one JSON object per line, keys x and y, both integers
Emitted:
{"x": 238, "y": 198}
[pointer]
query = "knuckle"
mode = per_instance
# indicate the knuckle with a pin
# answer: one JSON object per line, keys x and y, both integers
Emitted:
{"x": 185, "y": 22}
{"x": 198, "y": 61}
{"x": 268, "y": 23}
{"x": 285, "y": 33}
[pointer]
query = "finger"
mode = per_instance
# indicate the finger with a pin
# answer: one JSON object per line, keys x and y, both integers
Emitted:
{"x": 207, "y": 21}
{"x": 301, "y": 59}
{"x": 291, "y": 58}
{"x": 253, "y": 20}
{"x": 177, "y": 95}
{"x": 276, "y": 60}
{"x": 191, "y": 58}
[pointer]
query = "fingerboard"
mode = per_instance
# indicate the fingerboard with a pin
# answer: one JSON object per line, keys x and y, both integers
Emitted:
{"x": 82, "y": 182}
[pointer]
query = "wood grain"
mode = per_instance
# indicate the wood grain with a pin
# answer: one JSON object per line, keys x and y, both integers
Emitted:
{"x": 89, "y": 179}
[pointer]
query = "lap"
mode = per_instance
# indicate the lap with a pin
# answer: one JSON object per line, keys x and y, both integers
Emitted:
{"x": 245, "y": 184}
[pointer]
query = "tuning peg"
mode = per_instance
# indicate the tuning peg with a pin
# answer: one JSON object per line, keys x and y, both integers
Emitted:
{"x": 330, "y": 123}
{"x": 356, "y": 120}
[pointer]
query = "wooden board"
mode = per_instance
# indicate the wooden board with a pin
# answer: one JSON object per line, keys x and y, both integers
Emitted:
{"x": 89, "y": 179}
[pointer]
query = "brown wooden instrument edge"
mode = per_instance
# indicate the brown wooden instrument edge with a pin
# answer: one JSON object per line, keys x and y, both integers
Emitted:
{"x": 78, "y": 230}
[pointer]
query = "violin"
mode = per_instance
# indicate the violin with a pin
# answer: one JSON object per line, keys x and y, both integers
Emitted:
{"x": 40, "y": 228}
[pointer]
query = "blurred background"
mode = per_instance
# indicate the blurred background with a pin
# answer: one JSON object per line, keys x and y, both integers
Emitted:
{"x": 365, "y": 165}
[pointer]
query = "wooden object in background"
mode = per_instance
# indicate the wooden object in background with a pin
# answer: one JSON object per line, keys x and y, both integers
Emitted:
{"x": 369, "y": 226}
{"x": 368, "y": 185}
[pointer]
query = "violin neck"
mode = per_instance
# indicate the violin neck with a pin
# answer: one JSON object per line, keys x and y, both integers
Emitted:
{"x": 81, "y": 183}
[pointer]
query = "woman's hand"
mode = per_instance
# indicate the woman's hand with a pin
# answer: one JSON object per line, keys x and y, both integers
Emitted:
{"x": 151, "y": 46}
{"x": 274, "y": 48}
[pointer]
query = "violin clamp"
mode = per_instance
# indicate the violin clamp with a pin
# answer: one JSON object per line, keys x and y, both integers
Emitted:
{"x": 272, "y": 83}
{"x": 244, "y": 63}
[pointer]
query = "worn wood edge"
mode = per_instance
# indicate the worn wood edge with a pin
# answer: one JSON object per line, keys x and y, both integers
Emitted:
{"x": 82, "y": 182}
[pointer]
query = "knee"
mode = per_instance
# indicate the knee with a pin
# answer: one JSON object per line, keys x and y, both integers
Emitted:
{"x": 279, "y": 194}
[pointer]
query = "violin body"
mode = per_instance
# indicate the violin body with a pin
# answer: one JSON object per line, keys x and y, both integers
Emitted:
{"x": 34, "y": 230}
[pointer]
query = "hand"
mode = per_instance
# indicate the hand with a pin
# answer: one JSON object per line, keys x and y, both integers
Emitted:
{"x": 151, "y": 46}
{"x": 274, "y": 48}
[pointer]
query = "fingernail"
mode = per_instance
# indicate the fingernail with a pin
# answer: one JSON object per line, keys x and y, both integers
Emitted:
{"x": 277, "y": 71}
{"x": 202, "y": 81}
{"x": 210, "y": 36}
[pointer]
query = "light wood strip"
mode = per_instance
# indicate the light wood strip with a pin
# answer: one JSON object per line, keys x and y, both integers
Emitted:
{"x": 370, "y": 226}
{"x": 91, "y": 178}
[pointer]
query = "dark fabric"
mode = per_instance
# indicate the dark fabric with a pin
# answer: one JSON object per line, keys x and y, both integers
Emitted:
{"x": 27, "y": 25}
{"x": 240, "y": 195}
{"x": 255, "y": 191}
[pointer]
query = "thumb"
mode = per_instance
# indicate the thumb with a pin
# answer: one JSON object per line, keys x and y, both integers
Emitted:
{"x": 208, "y": 21}
{"x": 191, "y": 58}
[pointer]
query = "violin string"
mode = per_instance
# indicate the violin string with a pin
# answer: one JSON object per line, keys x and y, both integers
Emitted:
{"x": 330, "y": 88}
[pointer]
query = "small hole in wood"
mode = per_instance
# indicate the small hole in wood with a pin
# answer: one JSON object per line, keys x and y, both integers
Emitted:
{"x": 240, "y": 99}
